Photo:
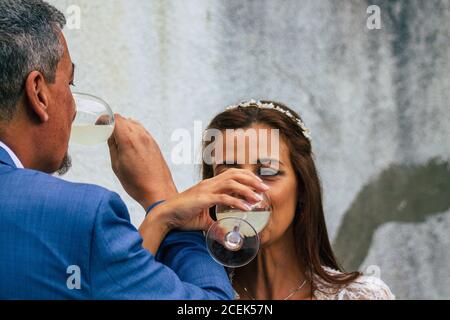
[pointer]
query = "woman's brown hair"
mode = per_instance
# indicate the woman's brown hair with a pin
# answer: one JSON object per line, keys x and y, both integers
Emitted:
{"x": 310, "y": 231}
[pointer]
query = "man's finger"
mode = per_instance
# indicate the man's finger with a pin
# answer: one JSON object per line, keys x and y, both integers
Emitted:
{"x": 121, "y": 131}
{"x": 104, "y": 120}
{"x": 112, "y": 144}
{"x": 113, "y": 151}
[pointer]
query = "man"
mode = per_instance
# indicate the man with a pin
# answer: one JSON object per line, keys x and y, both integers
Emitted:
{"x": 60, "y": 240}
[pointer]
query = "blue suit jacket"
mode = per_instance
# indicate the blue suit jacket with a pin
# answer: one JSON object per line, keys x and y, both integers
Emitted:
{"x": 48, "y": 225}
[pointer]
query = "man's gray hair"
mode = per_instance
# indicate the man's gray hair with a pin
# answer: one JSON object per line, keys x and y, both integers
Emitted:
{"x": 29, "y": 40}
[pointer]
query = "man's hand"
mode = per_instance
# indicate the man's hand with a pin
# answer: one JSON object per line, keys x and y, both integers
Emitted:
{"x": 139, "y": 164}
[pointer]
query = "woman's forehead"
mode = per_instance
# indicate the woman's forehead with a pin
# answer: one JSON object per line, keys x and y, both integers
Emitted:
{"x": 251, "y": 146}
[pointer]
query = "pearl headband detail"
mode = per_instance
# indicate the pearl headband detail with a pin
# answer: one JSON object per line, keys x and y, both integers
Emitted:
{"x": 270, "y": 106}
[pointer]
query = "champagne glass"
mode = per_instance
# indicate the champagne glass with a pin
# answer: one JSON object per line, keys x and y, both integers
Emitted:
{"x": 94, "y": 122}
{"x": 233, "y": 240}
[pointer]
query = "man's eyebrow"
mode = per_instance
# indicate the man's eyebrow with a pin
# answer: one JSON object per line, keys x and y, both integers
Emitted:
{"x": 73, "y": 71}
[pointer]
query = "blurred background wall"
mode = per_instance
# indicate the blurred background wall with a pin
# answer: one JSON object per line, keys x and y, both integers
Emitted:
{"x": 377, "y": 103}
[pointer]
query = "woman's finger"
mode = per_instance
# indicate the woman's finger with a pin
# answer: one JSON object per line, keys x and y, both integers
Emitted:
{"x": 236, "y": 188}
{"x": 251, "y": 182}
{"x": 245, "y": 177}
{"x": 227, "y": 200}
{"x": 239, "y": 172}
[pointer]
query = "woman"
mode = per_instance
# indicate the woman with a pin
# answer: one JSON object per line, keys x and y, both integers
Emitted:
{"x": 295, "y": 260}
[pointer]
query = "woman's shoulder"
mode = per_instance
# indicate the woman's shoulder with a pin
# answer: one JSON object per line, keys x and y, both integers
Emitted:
{"x": 366, "y": 288}
{"x": 362, "y": 288}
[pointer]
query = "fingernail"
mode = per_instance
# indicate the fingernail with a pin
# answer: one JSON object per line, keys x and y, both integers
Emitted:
{"x": 265, "y": 186}
{"x": 247, "y": 206}
{"x": 259, "y": 197}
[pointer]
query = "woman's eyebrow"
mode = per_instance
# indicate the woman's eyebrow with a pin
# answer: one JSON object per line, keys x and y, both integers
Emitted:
{"x": 227, "y": 165}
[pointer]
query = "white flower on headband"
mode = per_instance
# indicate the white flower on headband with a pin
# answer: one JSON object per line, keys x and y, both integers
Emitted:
{"x": 271, "y": 106}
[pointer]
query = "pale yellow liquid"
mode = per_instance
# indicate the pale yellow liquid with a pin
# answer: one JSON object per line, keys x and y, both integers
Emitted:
{"x": 257, "y": 219}
{"x": 90, "y": 135}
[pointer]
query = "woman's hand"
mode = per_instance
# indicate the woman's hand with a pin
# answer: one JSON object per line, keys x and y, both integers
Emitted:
{"x": 190, "y": 210}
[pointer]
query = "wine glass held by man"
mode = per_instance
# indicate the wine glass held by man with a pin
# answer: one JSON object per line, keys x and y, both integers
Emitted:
{"x": 49, "y": 226}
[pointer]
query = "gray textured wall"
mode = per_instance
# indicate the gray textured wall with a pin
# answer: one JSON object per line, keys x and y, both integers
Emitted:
{"x": 375, "y": 100}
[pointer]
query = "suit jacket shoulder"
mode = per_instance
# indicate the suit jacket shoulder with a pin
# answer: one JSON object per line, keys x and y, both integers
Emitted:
{"x": 63, "y": 240}
{"x": 46, "y": 227}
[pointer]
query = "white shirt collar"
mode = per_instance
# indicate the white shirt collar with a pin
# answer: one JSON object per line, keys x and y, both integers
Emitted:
{"x": 12, "y": 155}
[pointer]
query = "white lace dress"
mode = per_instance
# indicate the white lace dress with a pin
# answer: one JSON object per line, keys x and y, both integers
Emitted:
{"x": 363, "y": 288}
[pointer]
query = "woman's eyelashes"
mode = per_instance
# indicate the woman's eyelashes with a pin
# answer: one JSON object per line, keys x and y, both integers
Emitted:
{"x": 263, "y": 172}
{"x": 268, "y": 173}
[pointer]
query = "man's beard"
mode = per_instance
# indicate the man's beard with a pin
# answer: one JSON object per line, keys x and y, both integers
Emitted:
{"x": 66, "y": 164}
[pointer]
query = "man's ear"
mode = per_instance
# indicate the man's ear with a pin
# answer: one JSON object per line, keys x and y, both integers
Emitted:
{"x": 37, "y": 95}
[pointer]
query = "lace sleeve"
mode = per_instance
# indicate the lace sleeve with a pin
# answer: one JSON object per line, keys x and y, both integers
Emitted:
{"x": 363, "y": 288}
{"x": 366, "y": 288}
